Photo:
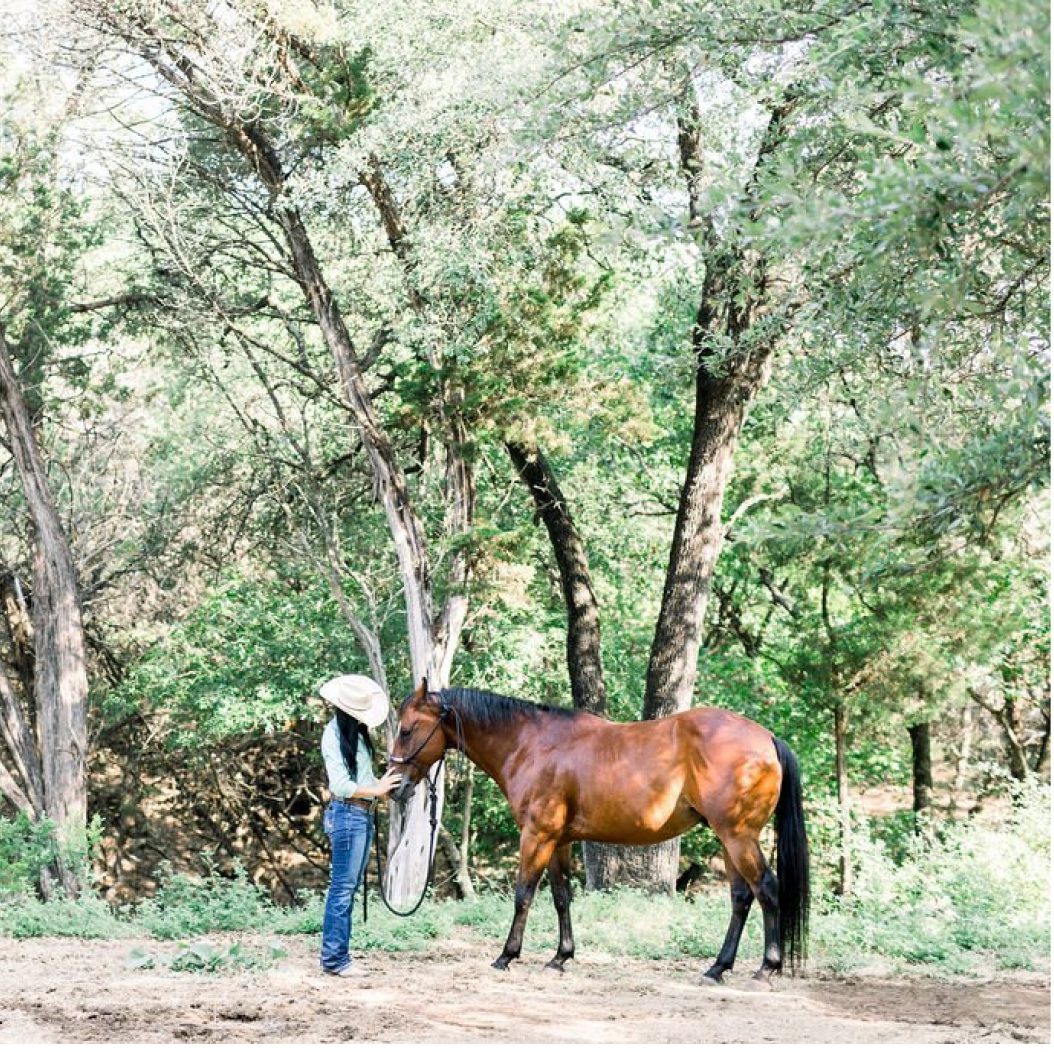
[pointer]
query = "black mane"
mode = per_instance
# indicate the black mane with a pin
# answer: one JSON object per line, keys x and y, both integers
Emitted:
{"x": 485, "y": 709}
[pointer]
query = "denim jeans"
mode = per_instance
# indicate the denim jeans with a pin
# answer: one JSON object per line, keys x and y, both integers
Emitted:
{"x": 350, "y": 832}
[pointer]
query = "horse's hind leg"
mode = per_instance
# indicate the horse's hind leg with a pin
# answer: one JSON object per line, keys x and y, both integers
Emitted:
{"x": 560, "y": 882}
{"x": 747, "y": 857}
{"x": 534, "y": 857}
{"x": 742, "y": 898}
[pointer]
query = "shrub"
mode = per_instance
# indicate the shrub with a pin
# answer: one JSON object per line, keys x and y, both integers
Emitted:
{"x": 958, "y": 889}
{"x": 86, "y": 917}
{"x": 26, "y": 848}
{"x": 188, "y": 905}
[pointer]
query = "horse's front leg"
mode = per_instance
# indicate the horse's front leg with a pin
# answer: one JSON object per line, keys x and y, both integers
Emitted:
{"x": 535, "y": 853}
{"x": 560, "y": 882}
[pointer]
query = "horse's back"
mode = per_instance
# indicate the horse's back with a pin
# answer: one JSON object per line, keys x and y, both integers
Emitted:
{"x": 645, "y": 781}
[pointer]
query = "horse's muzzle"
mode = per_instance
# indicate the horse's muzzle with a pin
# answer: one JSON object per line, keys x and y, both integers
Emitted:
{"x": 403, "y": 791}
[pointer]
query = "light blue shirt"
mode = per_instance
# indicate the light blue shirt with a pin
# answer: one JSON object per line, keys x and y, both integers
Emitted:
{"x": 341, "y": 784}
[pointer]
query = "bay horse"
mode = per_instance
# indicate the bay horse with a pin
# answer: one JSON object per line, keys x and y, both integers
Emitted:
{"x": 570, "y": 775}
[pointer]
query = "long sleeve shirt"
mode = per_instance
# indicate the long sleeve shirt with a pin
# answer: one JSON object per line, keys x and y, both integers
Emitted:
{"x": 341, "y": 784}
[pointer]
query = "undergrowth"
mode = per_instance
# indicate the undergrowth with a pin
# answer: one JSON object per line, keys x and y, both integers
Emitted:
{"x": 964, "y": 899}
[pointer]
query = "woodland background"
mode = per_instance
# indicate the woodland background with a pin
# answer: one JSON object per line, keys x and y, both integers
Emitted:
{"x": 628, "y": 355}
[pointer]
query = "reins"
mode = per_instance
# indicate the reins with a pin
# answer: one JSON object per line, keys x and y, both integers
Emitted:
{"x": 433, "y": 816}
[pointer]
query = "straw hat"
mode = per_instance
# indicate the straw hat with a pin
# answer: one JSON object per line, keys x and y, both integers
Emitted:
{"x": 358, "y": 696}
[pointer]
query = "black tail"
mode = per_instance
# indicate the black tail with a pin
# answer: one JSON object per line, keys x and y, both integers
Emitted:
{"x": 792, "y": 863}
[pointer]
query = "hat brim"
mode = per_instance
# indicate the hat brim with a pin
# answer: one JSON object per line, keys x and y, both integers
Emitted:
{"x": 372, "y": 710}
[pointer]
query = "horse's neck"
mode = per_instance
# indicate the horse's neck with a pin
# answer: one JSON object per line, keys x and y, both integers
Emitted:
{"x": 490, "y": 747}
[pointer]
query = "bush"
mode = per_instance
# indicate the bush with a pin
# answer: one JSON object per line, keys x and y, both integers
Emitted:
{"x": 86, "y": 917}
{"x": 955, "y": 898}
{"x": 187, "y": 905}
{"x": 961, "y": 889}
{"x": 26, "y": 849}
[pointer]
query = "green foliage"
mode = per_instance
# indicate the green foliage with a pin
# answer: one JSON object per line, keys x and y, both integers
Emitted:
{"x": 245, "y": 661}
{"x": 941, "y": 900}
{"x": 205, "y": 956}
{"x": 26, "y": 849}
{"x": 190, "y": 905}
{"x": 85, "y": 917}
{"x": 961, "y": 890}
{"x": 886, "y": 549}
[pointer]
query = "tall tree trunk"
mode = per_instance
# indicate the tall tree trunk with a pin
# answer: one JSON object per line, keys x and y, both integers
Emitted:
{"x": 721, "y": 404}
{"x": 921, "y": 770}
{"x": 60, "y": 667}
{"x": 459, "y": 509}
{"x": 962, "y": 761}
{"x": 1006, "y": 715}
{"x": 1043, "y": 749}
{"x": 407, "y": 869}
{"x": 464, "y": 878}
{"x": 603, "y": 865}
{"x": 845, "y": 824}
{"x": 583, "y": 615}
{"x": 732, "y": 300}
{"x": 25, "y": 785}
{"x": 1010, "y": 721}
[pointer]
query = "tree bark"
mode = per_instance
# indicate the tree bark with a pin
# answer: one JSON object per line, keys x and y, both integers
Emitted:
{"x": 921, "y": 769}
{"x": 18, "y": 737}
{"x": 962, "y": 762}
{"x": 60, "y": 667}
{"x": 584, "y": 665}
{"x": 1009, "y": 723}
{"x": 721, "y": 403}
{"x": 732, "y": 364}
{"x": 841, "y": 769}
{"x": 464, "y": 878}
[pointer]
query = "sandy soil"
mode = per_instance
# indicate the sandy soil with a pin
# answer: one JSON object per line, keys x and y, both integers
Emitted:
{"x": 65, "y": 990}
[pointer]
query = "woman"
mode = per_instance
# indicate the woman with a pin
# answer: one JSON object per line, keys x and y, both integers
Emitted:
{"x": 348, "y": 752}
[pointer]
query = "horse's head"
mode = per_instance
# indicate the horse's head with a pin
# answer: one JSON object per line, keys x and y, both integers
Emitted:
{"x": 420, "y": 740}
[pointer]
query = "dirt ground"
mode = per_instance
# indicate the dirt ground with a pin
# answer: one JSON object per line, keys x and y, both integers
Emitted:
{"x": 68, "y": 990}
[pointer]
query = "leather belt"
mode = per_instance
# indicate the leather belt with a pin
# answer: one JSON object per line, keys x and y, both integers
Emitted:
{"x": 352, "y": 801}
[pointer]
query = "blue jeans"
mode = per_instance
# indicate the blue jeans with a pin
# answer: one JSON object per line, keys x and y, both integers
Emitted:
{"x": 350, "y": 832}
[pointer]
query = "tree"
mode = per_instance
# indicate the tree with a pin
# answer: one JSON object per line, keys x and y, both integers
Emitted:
{"x": 829, "y": 137}
{"x": 50, "y": 690}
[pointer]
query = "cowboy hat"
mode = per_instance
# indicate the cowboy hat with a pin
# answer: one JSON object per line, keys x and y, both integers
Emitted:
{"x": 358, "y": 696}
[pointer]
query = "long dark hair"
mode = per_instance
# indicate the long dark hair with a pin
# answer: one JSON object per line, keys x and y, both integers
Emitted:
{"x": 349, "y": 730}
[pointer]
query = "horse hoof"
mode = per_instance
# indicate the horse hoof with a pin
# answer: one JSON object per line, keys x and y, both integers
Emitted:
{"x": 556, "y": 965}
{"x": 760, "y": 983}
{"x": 502, "y": 964}
{"x": 706, "y": 979}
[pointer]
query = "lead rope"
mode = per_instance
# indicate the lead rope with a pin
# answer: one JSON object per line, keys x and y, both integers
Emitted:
{"x": 433, "y": 792}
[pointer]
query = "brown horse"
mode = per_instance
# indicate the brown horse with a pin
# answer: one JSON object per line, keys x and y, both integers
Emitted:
{"x": 570, "y": 775}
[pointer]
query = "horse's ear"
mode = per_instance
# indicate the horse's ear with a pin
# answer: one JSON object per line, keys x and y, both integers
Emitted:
{"x": 422, "y": 691}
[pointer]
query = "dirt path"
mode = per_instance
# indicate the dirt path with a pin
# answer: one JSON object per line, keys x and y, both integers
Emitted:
{"x": 62, "y": 990}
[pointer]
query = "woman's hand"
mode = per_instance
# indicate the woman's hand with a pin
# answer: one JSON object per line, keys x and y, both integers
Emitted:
{"x": 385, "y": 784}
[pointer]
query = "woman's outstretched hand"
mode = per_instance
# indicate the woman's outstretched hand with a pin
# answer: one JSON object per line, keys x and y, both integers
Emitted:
{"x": 384, "y": 785}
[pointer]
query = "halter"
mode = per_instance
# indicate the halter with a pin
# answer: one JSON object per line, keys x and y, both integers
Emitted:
{"x": 445, "y": 708}
{"x": 412, "y": 758}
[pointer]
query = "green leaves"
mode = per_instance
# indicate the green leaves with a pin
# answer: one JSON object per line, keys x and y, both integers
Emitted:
{"x": 246, "y": 661}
